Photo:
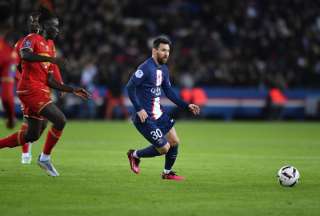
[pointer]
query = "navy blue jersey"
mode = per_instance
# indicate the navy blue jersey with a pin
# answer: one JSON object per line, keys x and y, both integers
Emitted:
{"x": 144, "y": 88}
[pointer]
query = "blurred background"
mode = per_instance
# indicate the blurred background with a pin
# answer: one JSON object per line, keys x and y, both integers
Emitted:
{"x": 248, "y": 59}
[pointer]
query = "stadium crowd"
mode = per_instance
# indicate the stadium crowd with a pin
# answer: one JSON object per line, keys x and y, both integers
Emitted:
{"x": 237, "y": 43}
{"x": 249, "y": 43}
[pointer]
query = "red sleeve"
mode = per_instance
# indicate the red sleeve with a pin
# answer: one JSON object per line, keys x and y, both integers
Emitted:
{"x": 29, "y": 42}
{"x": 17, "y": 47}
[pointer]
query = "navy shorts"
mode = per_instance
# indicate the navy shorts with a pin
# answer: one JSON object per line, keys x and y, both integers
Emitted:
{"x": 155, "y": 130}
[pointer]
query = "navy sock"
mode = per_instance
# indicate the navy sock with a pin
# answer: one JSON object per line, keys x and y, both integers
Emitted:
{"x": 171, "y": 157}
{"x": 150, "y": 151}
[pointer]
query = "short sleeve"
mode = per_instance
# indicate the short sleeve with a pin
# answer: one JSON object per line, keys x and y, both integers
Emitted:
{"x": 29, "y": 42}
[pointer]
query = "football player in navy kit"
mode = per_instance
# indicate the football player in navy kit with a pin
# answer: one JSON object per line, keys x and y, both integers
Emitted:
{"x": 144, "y": 90}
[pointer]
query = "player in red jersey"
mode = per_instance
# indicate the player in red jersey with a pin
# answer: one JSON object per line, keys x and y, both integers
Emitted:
{"x": 7, "y": 67}
{"x": 37, "y": 80}
{"x": 34, "y": 27}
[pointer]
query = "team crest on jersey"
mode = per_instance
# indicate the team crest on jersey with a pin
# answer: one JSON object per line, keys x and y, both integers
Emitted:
{"x": 139, "y": 73}
{"x": 27, "y": 44}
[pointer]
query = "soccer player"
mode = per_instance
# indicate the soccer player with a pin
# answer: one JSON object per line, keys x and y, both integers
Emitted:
{"x": 34, "y": 27}
{"x": 144, "y": 89}
{"x": 7, "y": 66}
{"x": 38, "y": 58}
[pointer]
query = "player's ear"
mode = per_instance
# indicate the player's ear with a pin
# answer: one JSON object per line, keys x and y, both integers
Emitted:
{"x": 154, "y": 50}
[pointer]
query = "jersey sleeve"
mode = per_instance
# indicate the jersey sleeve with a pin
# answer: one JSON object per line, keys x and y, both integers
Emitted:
{"x": 136, "y": 79}
{"x": 29, "y": 42}
{"x": 168, "y": 90}
{"x": 139, "y": 76}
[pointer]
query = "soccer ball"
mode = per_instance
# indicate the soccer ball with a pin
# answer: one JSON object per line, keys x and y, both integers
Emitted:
{"x": 288, "y": 176}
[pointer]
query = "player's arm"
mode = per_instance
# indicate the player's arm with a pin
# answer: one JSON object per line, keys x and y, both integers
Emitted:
{"x": 168, "y": 90}
{"x": 27, "y": 55}
{"x": 131, "y": 88}
{"x": 136, "y": 79}
{"x": 81, "y": 92}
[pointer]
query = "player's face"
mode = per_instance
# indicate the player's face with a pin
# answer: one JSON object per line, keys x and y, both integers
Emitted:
{"x": 162, "y": 53}
{"x": 51, "y": 28}
{"x": 34, "y": 26}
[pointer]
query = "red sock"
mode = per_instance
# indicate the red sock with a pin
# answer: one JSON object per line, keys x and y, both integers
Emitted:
{"x": 52, "y": 138}
{"x": 25, "y": 147}
{"x": 13, "y": 140}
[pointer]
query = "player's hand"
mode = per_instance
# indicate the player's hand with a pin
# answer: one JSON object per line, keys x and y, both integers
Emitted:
{"x": 81, "y": 92}
{"x": 142, "y": 115}
{"x": 195, "y": 109}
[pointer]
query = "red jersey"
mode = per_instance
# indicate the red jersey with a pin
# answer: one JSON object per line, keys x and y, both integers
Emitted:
{"x": 8, "y": 59}
{"x": 35, "y": 74}
{"x": 17, "y": 48}
{"x": 55, "y": 68}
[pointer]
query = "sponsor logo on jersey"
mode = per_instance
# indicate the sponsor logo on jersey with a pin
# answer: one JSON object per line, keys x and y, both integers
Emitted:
{"x": 156, "y": 91}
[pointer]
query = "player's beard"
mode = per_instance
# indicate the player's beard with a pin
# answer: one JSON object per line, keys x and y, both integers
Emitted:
{"x": 162, "y": 60}
{"x": 34, "y": 29}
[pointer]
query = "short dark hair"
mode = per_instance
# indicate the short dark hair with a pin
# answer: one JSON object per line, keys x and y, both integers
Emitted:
{"x": 35, "y": 14}
{"x": 161, "y": 40}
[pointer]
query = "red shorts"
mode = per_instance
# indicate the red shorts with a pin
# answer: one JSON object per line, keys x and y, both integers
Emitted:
{"x": 33, "y": 101}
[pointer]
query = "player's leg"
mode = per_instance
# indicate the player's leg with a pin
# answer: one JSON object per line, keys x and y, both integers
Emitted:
{"x": 7, "y": 97}
{"x": 171, "y": 156}
{"x": 154, "y": 135}
{"x": 26, "y": 153}
{"x": 58, "y": 119}
{"x": 21, "y": 137}
{"x": 26, "y": 156}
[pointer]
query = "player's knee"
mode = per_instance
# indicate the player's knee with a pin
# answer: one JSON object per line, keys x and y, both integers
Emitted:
{"x": 44, "y": 126}
{"x": 32, "y": 136}
{"x": 60, "y": 123}
{"x": 164, "y": 150}
{"x": 63, "y": 120}
{"x": 175, "y": 141}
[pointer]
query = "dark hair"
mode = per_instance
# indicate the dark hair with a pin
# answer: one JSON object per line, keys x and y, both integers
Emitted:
{"x": 35, "y": 14}
{"x": 161, "y": 40}
{"x": 45, "y": 15}
{"x": 5, "y": 11}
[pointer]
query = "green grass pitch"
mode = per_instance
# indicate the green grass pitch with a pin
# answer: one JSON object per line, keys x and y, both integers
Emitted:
{"x": 230, "y": 169}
